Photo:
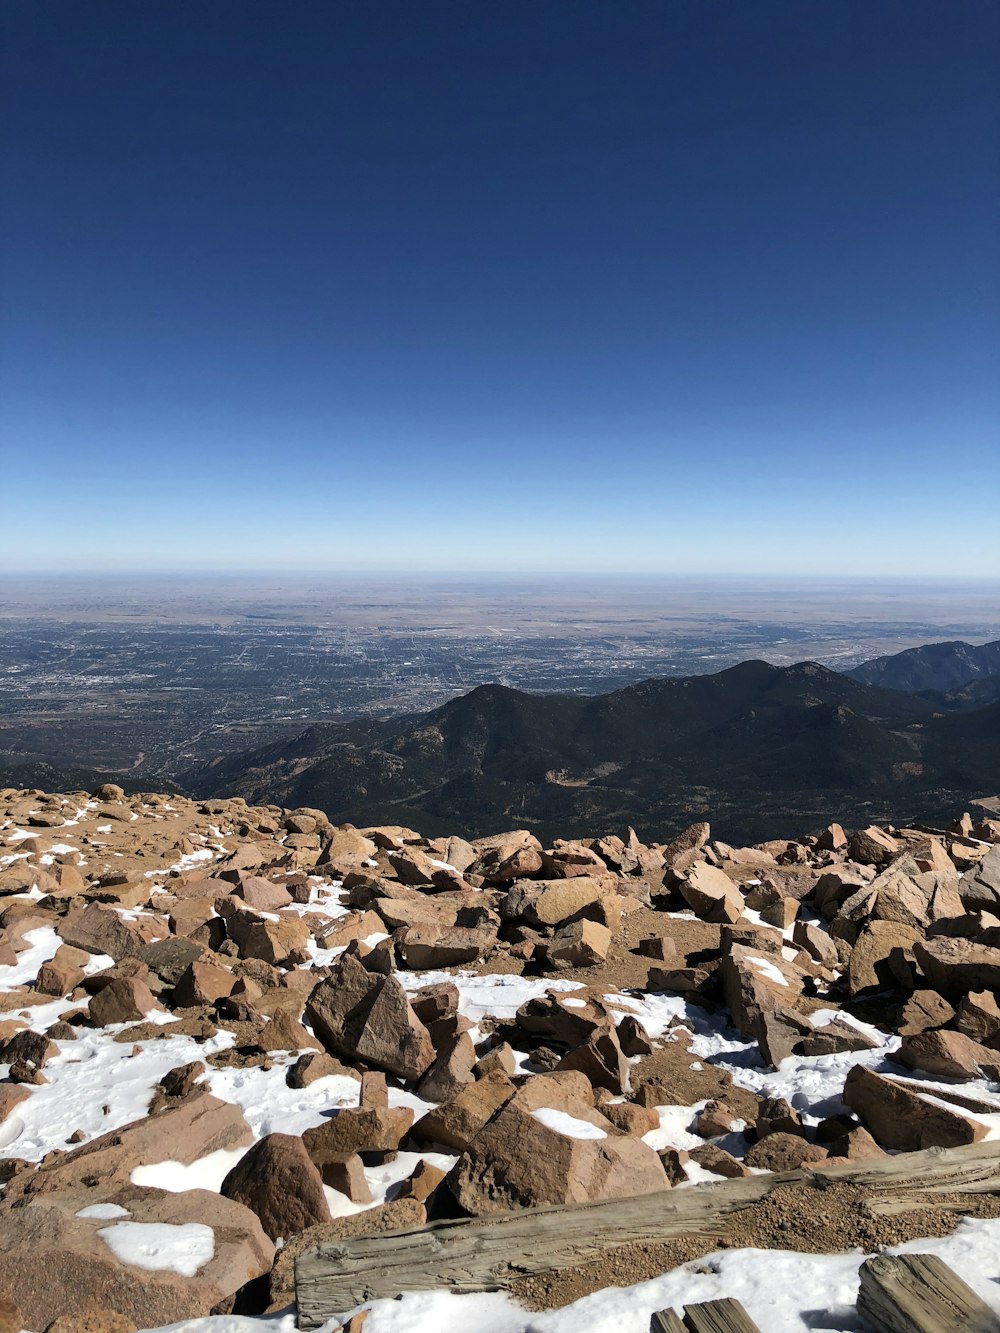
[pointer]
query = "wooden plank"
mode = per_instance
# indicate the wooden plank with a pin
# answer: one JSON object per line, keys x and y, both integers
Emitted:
{"x": 725, "y": 1316}
{"x": 918, "y": 1293}
{"x": 486, "y": 1254}
{"x": 665, "y": 1321}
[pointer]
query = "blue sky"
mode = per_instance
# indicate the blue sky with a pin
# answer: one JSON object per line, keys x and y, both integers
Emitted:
{"x": 693, "y": 285}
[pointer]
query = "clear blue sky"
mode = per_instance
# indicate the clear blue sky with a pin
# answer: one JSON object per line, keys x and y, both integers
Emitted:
{"x": 535, "y": 284}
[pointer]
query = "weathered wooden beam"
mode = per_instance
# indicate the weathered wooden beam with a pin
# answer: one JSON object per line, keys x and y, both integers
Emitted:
{"x": 486, "y": 1254}
{"x": 918, "y": 1293}
{"x": 725, "y": 1316}
{"x": 665, "y": 1321}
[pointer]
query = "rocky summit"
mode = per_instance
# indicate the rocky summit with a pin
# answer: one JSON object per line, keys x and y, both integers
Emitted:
{"x": 229, "y": 1033}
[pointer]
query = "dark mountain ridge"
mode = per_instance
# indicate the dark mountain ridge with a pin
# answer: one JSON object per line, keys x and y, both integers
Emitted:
{"x": 944, "y": 668}
{"x": 763, "y": 747}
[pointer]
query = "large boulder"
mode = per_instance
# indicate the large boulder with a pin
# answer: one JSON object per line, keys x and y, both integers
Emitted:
{"x": 366, "y": 1016}
{"x": 552, "y": 902}
{"x": 455, "y": 1124}
{"x": 711, "y": 894}
{"x": 899, "y": 1117}
{"x": 548, "y": 1145}
{"x": 952, "y": 1054}
{"x": 979, "y": 887}
{"x": 277, "y": 1180}
{"x": 198, "y": 1125}
{"x": 151, "y": 1256}
{"x": 957, "y": 966}
{"x": 426, "y": 945}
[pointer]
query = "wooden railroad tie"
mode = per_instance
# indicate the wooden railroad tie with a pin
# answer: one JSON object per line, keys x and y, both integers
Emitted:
{"x": 918, "y": 1293}
{"x": 725, "y": 1316}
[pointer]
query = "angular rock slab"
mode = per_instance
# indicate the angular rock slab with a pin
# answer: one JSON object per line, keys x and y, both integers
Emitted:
{"x": 54, "y": 1263}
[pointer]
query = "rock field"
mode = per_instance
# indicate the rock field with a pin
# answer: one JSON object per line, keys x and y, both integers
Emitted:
{"x": 229, "y": 1033}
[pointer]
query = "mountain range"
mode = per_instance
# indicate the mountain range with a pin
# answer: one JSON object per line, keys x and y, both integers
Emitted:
{"x": 765, "y": 750}
{"x": 956, "y": 673}
{"x": 761, "y": 747}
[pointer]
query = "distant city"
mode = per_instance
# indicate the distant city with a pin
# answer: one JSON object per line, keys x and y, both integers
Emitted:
{"x": 145, "y": 676}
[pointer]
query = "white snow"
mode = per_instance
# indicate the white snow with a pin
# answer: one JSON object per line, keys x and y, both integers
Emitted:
{"x": 42, "y": 945}
{"x": 207, "y": 1173}
{"x": 497, "y": 995}
{"x": 767, "y": 969}
{"x": 156, "y": 1246}
{"x": 271, "y": 1107}
{"x": 104, "y": 1212}
{"x": 94, "y": 1073}
{"x": 567, "y": 1125}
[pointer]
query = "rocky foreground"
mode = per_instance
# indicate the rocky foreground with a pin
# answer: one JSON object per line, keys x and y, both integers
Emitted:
{"x": 229, "y": 1033}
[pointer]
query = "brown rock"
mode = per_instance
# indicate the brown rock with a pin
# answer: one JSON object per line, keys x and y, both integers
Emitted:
{"x": 693, "y": 839}
{"x": 199, "y": 1125}
{"x": 500, "y": 1059}
{"x": 92, "y": 1321}
{"x": 711, "y": 894}
{"x": 263, "y": 895}
{"x": 315, "y": 1065}
{"x": 553, "y": 902}
{"x": 455, "y": 1124}
{"x": 882, "y": 956}
{"x": 127, "y": 1000}
{"x": 423, "y": 1182}
{"x": 367, "y": 1017}
{"x": 278, "y": 1181}
{"x": 203, "y": 983}
{"x": 832, "y": 839}
{"x": 633, "y": 1038}
{"x": 450, "y": 1071}
{"x": 581, "y": 944}
{"x": 62, "y": 973}
{"x": 857, "y": 1145}
{"x": 900, "y": 1118}
{"x": 518, "y": 1161}
{"x": 784, "y": 1152}
{"x": 54, "y": 1264}
{"x": 99, "y": 929}
{"x": 11, "y": 1096}
{"x": 276, "y": 942}
{"x": 834, "y": 1038}
{"x": 601, "y": 1059}
{"x": 979, "y": 1016}
{"x": 715, "y": 1118}
{"x": 507, "y": 856}
{"x": 628, "y": 1118}
{"x": 431, "y": 946}
{"x": 924, "y": 1009}
{"x": 957, "y": 966}
{"x": 873, "y": 847}
{"x": 949, "y": 1053}
{"x": 718, "y": 1161}
{"x": 357, "y": 926}
{"x": 358, "y": 1129}
{"x": 346, "y": 1174}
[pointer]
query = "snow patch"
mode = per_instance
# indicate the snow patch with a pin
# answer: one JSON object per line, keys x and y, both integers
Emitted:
{"x": 567, "y": 1125}
{"x": 161, "y": 1246}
